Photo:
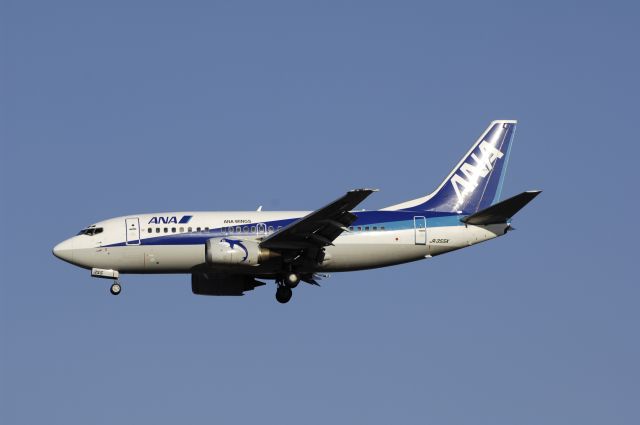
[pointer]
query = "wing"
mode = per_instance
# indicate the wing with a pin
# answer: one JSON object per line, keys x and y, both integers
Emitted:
{"x": 321, "y": 227}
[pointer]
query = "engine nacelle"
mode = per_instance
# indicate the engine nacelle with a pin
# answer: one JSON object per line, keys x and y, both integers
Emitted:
{"x": 224, "y": 251}
{"x": 222, "y": 284}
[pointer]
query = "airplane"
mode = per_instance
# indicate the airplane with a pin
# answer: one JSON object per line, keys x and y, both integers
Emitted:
{"x": 233, "y": 252}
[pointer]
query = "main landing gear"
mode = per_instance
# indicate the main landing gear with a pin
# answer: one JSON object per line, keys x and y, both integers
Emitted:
{"x": 285, "y": 286}
{"x": 283, "y": 294}
{"x": 115, "y": 288}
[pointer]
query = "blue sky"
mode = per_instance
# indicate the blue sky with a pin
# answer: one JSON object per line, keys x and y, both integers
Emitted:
{"x": 124, "y": 107}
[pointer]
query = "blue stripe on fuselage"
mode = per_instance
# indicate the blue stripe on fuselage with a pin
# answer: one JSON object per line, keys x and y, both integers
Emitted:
{"x": 390, "y": 220}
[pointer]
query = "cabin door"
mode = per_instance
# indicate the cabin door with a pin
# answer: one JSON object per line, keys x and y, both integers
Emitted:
{"x": 133, "y": 231}
{"x": 420, "y": 229}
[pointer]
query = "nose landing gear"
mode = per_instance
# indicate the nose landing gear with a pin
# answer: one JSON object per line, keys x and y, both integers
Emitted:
{"x": 108, "y": 274}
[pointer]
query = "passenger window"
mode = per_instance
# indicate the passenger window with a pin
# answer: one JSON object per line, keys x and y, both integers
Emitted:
{"x": 359, "y": 228}
{"x": 245, "y": 229}
{"x": 366, "y": 228}
{"x": 253, "y": 229}
{"x": 279, "y": 227}
{"x": 189, "y": 229}
{"x": 381, "y": 227}
{"x": 270, "y": 228}
{"x": 157, "y": 230}
{"x": 166, "y": 230}
{"x": 375, "y": 227}
{"x": 149, "y": 230}
{"x": 238, "y": 230}
{"x": 206, "y": 229}
{"x": 197, "y": 229}
{"x": 351, "y": 228}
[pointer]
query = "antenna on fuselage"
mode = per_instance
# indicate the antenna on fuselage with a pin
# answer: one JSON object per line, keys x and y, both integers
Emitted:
{"x": 259, "y": 208}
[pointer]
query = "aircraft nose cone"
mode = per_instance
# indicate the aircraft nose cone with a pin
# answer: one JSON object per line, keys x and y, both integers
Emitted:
{"x": 64, "y": 250}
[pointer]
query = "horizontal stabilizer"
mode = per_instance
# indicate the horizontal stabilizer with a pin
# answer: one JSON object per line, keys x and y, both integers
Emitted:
{"x": 502, "y": 211}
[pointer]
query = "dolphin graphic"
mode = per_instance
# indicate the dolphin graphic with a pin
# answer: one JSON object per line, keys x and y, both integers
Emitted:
{"x": 234, "y": 242}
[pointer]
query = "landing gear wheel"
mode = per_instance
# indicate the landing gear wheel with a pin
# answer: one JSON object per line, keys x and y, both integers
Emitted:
{"x": 283, "y": 294}
{"x": 115, "y": 288}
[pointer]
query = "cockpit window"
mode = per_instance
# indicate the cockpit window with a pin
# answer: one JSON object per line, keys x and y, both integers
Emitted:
{"x": 90, "y": 231}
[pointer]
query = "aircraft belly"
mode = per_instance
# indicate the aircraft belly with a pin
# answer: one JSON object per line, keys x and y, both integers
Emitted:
{"x": 117, "y": 258}
{"x": 379, "y": 249}
{"x": 345, "y": 257}
{"x": 451, "y": 238}
{"x": 143, "y": 258}
{"x": 370, "y": 250}
{"x": 172, "y": 257}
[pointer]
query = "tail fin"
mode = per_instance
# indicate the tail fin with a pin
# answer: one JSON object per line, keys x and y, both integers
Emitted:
{"x": 476, "y": 182}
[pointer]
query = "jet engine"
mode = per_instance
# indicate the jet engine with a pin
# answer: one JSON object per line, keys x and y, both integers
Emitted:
{"x": 222, "y": 284}
{"x": 225, "y": 251}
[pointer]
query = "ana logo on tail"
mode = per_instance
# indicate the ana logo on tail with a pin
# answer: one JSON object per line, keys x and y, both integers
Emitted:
{"x": 474, "y": 172}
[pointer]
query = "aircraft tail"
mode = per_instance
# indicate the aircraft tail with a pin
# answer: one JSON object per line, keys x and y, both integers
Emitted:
{"x": 503, "y": 211}
{"x": 476, "y": 182}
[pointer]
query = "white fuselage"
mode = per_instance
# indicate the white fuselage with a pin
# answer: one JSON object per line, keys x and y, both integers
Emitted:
{"x": 160, "y": 243}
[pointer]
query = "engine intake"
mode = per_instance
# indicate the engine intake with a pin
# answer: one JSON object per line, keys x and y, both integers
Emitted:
{"x": 222, "y": 251}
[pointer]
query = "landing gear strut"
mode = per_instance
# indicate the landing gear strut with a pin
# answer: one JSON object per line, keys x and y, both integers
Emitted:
{"x": 115, "y": 288}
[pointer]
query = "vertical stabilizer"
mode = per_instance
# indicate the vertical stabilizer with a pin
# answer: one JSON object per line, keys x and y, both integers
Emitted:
{"x": 476, "y": 182}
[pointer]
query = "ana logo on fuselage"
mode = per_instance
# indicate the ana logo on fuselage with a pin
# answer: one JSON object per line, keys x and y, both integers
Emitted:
{"x": 170, "y": 219}
{"x": 474, "y": 172}
{"x": 163, "y": 220}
